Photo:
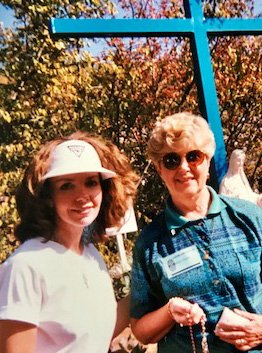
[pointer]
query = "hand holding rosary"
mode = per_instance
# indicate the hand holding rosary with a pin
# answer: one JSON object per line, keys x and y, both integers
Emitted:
{"x": 188, "y": 314}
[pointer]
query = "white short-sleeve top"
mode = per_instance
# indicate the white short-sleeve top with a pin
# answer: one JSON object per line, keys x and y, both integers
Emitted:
{"x": 69, "y": 297}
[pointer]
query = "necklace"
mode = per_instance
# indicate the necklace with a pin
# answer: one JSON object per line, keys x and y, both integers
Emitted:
{"x": 204, "y": 342}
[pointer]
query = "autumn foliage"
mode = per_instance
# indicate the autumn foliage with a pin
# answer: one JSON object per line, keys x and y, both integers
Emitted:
{"x": 52, "y": 87}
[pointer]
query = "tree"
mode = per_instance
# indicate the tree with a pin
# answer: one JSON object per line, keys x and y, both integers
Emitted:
{"x": 153, "y": 77}
{"x": 41, "y": 98}
{"x": 56, "y": 86}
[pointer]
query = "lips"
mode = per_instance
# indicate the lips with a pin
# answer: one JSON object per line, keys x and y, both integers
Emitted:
{"x": 83, "y": 210}
{"x": 184, "y": 180}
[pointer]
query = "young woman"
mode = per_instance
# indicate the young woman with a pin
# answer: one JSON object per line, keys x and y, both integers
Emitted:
{"x": 55, "y": 292}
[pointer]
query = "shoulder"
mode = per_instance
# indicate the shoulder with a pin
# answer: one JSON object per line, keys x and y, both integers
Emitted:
{"x": 243, "y": 208}
{"x": 22, "y": 265}
{"x": 24, "y": 251}
{"x": 32, "y": 255}
{"x": 241, "y": 204}
{"x": 152, "y": 231}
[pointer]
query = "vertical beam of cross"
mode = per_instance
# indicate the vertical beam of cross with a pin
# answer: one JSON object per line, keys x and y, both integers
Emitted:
{"x": 194, "y": 26}
{"x": 207, "y": 96}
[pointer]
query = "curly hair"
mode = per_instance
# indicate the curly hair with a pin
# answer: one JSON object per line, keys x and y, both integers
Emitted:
{"x": 34, "y": 195}
{"x": 179, "y": 131}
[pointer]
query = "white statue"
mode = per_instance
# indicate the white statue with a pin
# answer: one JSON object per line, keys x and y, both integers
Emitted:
{"x": 235, "y": 182}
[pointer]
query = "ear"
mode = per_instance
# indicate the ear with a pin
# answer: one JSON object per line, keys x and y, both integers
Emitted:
{"x": 208, "y": 160}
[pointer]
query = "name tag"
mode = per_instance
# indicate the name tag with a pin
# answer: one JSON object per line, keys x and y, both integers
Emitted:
{"x": 182, "y": 261}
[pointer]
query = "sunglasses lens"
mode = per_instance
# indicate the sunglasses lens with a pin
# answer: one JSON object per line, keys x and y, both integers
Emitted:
{"x": 195, "y": 157}
{"x": 171, "y": 161}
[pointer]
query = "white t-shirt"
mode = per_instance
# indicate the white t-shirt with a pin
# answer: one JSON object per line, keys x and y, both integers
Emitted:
{"x": 69, "y": 297}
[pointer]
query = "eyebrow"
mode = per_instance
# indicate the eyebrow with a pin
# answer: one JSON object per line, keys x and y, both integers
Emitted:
{"x": 67, "y": 179}
{"x": 63, "y": 179}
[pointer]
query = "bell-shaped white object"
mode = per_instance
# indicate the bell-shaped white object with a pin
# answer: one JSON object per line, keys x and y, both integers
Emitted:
{"x": 235, "y": 182}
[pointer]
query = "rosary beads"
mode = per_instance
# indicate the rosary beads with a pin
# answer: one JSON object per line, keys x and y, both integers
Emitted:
{"x": 181, "y": 303}
{"x": 204, "y": 337}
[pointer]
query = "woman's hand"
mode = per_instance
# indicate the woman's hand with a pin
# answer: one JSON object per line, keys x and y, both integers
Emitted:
{"x": 184, "y": 312}
{"x": 242, "y": 336}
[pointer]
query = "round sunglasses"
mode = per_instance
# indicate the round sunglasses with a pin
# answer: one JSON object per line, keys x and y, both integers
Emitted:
{"x": 172, "y": 160}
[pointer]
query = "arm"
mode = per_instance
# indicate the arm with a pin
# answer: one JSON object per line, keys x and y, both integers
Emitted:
{"x": 153, "y": 326}
{"x": 242, "y": 336}
{"x": 14, "y": 334}
{"x": 150, "y": 321}
{"x": 123, "y": 317}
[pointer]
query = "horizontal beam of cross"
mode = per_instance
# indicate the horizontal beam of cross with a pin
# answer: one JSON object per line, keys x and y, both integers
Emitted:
{"x": 90, "y": 28}
{"x": 198, "y": 29}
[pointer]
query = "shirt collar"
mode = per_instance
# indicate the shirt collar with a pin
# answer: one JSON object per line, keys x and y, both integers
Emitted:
{"x": 175, "y": 220}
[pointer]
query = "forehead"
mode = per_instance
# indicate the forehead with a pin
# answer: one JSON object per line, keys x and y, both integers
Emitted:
{"x": 75, "y": 177}
{"x": 183, "y": 149}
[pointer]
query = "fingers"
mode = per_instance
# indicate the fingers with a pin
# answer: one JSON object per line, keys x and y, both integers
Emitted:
{"x": 247, "y": 315}
{"x": 184, "y": 312}
{"x": 242, "y": 313}
{"x": 240, "y": 339}
{"x": 196, "y": 313}
{"x": 229, "y": 335}
{"x": 242, "y": 344}
{"x": 239, "y": 343}
{"x": 180, "y": 305}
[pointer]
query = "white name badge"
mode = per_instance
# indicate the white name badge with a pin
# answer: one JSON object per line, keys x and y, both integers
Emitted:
{"x": 182, "y": 261}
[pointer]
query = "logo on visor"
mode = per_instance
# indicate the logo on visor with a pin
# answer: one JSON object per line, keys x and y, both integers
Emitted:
{"x": 77, "y": 150}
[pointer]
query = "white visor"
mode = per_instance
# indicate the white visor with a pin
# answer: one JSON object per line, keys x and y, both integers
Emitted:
{"x": 76, "y": 156}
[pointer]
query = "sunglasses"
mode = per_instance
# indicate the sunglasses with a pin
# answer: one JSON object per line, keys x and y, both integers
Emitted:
{"x": 172, "y": 160}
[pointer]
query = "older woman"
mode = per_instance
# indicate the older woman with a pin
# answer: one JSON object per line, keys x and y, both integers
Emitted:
{"x": 198, "y": 257}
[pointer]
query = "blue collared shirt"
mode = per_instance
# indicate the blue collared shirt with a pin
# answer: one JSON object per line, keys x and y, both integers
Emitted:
{"x": 214, "y": 261}
{"x": 174, "y": 220}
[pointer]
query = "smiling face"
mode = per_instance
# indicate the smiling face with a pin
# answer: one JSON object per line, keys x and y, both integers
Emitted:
{"x": 77, "y": 199}
{"x": 187, "y": 179}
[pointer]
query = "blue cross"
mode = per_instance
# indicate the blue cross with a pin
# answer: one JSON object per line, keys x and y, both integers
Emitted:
{"x": 194, "y": 26}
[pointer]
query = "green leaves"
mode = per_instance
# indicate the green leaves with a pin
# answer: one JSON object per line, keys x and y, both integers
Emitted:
{"x": 5, "y": 116}
{"x": 54, "y": 87}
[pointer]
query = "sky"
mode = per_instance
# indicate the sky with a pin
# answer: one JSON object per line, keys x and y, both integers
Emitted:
{"x": 6, "y": 15}
{"x": 7, "y": 20}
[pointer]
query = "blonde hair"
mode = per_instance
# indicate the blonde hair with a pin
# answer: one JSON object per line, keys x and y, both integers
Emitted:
{"x": 34, "y": 196}
{"x": 179, "y": 131}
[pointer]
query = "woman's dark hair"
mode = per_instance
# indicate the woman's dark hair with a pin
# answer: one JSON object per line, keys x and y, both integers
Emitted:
{"x": 34, "y": 196}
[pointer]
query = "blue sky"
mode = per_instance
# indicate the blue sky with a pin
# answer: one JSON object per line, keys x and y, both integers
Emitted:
{"x": 6, "y": 15}
{"x": 7, "y": 19}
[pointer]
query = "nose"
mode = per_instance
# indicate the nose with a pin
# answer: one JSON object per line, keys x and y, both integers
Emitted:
{"x": 82, "y": 196}
{"x": 184, "y": 164}
{"x": 82, "y": 199}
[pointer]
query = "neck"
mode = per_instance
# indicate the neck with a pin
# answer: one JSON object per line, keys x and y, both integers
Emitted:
{"x": 70, "y": 240}
{"x": 194, "y": 207}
